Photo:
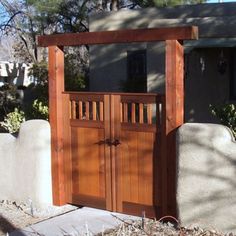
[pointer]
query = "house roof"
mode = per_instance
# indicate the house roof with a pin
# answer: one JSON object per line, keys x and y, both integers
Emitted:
{"x": 214, "y": 20}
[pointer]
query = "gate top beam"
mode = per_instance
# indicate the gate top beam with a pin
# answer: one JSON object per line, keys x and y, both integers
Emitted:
{"x": 119, "y": 36}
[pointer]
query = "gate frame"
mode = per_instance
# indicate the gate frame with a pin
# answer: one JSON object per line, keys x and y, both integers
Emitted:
{"x": 174, "y": 98}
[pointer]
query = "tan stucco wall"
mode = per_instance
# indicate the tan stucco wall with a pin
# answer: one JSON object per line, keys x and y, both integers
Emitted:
{"x": 202, "y": 88}
{"x": 108, "y": 66}
{"x": 214, "y": 20}
{"x": 25, "y": 164}
{"x": 206, "y": 180}
{"x": 204, "y": 85}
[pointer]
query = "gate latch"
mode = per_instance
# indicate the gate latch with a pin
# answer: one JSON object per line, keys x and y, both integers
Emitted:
{"x": 115, "y": 143}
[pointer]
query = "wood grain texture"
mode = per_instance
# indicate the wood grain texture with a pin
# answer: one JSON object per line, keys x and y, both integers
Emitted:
{"x": 90, "y": 201}
{"x": 139, "y": 209}
{"x": 113, "y": 163}
{"x": 136, "y": 167}
{"x": 107, "y": 125}
{"x": 119, "y": 36}
{"x": 115, "y": 135}
{"x": 88, "y": 162}
{"x": 67, "y": 162}
{"x": 56, "y": 87}
{"x": 174, "y": 115}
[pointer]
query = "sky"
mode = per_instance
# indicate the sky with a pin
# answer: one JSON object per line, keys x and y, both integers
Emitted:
{"x": 212, "y": 1}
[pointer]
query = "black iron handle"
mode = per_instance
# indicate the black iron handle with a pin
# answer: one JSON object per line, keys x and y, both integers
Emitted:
{"x": 109, "y": 142}
{"x": 116, "y": 142}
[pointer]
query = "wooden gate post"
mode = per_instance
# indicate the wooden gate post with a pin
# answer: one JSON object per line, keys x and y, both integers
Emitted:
{"x": 56, "y": 87}
{"x": 174, "y": 117}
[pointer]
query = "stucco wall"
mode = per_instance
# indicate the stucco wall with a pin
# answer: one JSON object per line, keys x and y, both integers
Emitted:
{"x": 108, "y": 65}
{"x": 206, "y": 183}
{"x": 25, "y": 169}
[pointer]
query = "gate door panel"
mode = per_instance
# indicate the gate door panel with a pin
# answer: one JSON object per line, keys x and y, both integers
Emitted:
{"x": 89, "y": 153}
{"x": 113, "y": 151}
{"x": 136, "y": 160}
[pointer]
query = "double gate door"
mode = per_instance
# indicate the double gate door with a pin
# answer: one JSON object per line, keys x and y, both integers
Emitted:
{"x": 111, "y": 151}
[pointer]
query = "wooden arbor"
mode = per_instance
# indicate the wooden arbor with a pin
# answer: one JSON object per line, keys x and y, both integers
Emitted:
{"x": 174, "y": 99}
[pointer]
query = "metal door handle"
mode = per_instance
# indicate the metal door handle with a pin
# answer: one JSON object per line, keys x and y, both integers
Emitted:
{"x": 116, "y": 142}
{"x": 107, "y": 141}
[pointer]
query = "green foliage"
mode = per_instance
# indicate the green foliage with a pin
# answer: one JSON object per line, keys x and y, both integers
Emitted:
{"x": 74, "y": 79}
{"x": 39, "y": 110}
{"x": 39, "y": 71}
{"x": 13, "y": 121}
{"x": 38, "y": 107}
{"x": 9, "y": 99}
{"x": 226, "y": 114}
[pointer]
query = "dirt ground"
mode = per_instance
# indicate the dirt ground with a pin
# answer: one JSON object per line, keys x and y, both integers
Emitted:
{"x": 19, "y": 215}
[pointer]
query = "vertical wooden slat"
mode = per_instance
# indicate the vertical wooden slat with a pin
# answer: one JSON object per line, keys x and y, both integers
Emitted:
{"x": 67, "y": 148}
{"x": 141, "y": 113}
{"x": 125, "y": 112}
{"x": 94, "y": 110}
{"x": 133, "y": 120}
{"x": 115, "y": 135}
{"x": 73, "y": 108}
{"x": 56, "y": 87}
{"x": 121, "y": 112}
{"x": 101, "y": 111}
{"x": 70, "y": 108}
{"x": 149, "y": 113}
{"x": 87, "y": 110}
{"x": 80, "y": 104}
{"x": 107, "y": 125}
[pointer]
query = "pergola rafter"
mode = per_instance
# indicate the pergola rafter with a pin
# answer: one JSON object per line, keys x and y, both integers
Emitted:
{"x": 174, "y": 96}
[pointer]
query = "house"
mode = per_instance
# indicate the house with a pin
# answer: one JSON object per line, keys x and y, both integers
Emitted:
{"x": 15, "y": 73}
{"x": 210, "y": 62}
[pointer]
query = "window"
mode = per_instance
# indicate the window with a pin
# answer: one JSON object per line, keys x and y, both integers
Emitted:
{"x": 136, "y": 72}
{"x": 233, "y": 75}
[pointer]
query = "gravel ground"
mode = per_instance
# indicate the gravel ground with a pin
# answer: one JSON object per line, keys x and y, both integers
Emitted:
{"x": 19, "y": 215}
{"x": 15, "y": 216}
{"x": 147, "y": 227}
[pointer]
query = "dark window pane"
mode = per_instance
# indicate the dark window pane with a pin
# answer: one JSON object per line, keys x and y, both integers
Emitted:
{"x": 136, "y": 71}
{"x": 233, "y": 75}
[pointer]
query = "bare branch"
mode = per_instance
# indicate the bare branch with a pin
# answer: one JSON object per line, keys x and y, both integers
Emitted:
{"x": 12, "y": 17}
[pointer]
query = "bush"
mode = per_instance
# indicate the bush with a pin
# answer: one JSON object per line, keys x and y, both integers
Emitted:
{"x": 39, "y": 71}
{"x": 39, "y": 110}
{"x": 226, "y": 114}
{"x": 13, "y": 120}
{"x": 9, "y": 99}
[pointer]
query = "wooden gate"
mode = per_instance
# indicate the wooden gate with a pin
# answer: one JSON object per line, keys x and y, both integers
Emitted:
{"x": 111, "y": 151}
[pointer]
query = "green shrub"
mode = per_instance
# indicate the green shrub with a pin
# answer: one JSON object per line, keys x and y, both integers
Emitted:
{"x": 13, "y": 120}
{"x": 226, "y": 114}
{"x": 39, "y": 110}
{"x": 39, "y": 71}
{"x": 9, "y": 99}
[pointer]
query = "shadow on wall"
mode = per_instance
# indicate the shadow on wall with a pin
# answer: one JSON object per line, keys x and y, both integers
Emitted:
{"x": 205, "y": 84}
{"x": 27, "y": 159}
{"x": 7, "y": 227}
{"x": 206, "y": 184}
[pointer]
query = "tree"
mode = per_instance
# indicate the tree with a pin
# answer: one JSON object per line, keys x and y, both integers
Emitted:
{"x": 27, "y": 19}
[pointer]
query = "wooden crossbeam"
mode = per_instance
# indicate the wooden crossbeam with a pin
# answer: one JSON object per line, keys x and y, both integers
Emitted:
{"x": 119, "y": 36}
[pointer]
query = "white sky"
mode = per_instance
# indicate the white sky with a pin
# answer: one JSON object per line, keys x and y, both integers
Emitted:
{"x": 212, "y": 1}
